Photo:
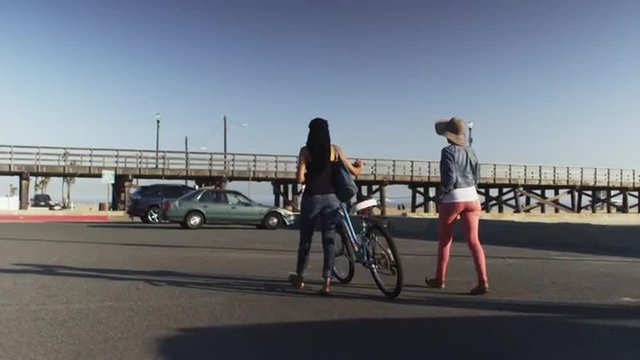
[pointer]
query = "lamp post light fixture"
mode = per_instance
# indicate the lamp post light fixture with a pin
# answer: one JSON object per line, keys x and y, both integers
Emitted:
{"x": 157, "y": 137}
{"x": 470, "y": 135}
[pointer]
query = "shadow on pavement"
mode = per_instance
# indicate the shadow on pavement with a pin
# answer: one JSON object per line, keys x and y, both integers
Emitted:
{"x": 164, "y": 226}
{"x": 157, "y": 245}
{"x": 482, "y": 337}
{"x": 280, "y": 287}
{"x": 238, "y": 284}
{"x": 241, "y": 284}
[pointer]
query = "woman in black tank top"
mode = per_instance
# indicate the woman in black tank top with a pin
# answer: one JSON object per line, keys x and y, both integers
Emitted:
{"x": 315, "y": 171}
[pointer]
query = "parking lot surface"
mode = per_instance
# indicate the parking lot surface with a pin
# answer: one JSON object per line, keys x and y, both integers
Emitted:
{"x": 137, "y": 291}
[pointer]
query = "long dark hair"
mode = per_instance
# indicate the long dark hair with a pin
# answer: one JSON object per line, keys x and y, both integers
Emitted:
{"x": 319, "y": 142}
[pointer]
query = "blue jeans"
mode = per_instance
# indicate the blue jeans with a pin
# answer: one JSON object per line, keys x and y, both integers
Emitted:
{"x": 326, "y": 208}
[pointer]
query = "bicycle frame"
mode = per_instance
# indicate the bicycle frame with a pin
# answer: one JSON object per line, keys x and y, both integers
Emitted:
{"x": 357, "y": 244}
{"x": 372, "y": 247}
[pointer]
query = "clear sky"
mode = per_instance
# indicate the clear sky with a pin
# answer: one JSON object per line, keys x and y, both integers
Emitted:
{"x": 545, "y": 82}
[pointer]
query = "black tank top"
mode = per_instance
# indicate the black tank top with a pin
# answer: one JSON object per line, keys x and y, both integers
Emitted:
{"x": 319, "y": 179}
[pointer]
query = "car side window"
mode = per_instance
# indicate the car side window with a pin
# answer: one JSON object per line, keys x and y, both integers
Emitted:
{"x": 235, "y": 199}
{"x": 220, "y": 198}
{"x": 153, "y": 192}
{"x": 206, "y": 196}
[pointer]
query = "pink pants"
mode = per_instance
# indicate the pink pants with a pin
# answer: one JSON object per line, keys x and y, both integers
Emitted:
{"x": 469, "y": 212}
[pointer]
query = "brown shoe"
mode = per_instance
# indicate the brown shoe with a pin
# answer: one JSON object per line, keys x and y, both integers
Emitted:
{"x": 480, "y": 289}
{"x": 434, "y": 283}
{"x": 297, "y": 281}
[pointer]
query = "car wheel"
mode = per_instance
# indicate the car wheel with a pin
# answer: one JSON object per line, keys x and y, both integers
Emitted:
{"x": 153, "y": 215}
{"x": 272, "y": 221}
{"x": 193, "y": 220}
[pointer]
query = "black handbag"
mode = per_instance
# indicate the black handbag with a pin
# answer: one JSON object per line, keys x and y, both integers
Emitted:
{"x": 343, "y": 182}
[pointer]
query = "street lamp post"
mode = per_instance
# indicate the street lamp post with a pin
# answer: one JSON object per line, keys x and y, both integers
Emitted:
{"x": 226, "y": 127}
{"x": 470, "y": 135}
{"x": 225, "y": 141}
{"x": 157, "y": 137}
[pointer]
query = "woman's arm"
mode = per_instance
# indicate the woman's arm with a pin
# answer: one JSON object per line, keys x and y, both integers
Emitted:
{"x": 447, "y": 170}
{"x": 354, "y": 168}
{"x": 302, "y": 165}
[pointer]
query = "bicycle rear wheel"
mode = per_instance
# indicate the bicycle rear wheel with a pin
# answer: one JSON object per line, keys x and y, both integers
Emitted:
{"x": 386, "y": 268}
{"x": 344, "y": 267}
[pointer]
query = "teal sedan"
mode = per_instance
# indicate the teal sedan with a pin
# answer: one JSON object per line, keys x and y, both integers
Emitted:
{"x": 215, "y": 206}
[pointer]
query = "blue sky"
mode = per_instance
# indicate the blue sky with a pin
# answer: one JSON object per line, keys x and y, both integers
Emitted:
{"x": 545, "y": 82}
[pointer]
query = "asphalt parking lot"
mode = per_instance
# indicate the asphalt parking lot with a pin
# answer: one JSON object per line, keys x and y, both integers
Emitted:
{"x": 135, "y": 291}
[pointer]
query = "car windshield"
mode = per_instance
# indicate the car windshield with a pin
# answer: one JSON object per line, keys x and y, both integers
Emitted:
{"x": 42, "y": 197}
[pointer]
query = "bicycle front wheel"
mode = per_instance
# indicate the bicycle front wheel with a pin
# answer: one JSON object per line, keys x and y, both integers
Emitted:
{"x": 344, "y": 268}
{"x": 386, "y": 268}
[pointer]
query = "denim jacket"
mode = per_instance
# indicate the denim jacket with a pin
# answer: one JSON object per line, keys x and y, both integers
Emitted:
{"x": 459, "y": 168}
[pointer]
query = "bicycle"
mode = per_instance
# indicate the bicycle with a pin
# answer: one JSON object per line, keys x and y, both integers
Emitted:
{"x": 367, "y": 247}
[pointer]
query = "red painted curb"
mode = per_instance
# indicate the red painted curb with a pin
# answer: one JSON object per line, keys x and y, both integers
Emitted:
{"x": 53, "y": 218}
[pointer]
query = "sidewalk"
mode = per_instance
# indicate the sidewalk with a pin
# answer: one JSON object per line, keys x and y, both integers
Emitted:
{"x": 46, "y": 215}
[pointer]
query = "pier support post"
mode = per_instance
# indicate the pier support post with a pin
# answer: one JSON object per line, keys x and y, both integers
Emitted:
{"x": 24, "y": 190}
{"x": 119, "y": 193}
{"x": 414, "y": 199}
{"x": 427, "y": 205}
{"x": 295, "y": 197}
{"x": 276, "y": 194}
{"x": 383, "y": 199}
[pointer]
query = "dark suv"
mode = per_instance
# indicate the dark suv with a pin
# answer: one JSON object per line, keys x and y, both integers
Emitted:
{"x": 41, "y": 200}
{"x": 145, "y": 202}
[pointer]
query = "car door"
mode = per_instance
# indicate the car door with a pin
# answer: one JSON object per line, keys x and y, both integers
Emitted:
{"x": 242, "y": 210}
{"x": 215, "y": 206}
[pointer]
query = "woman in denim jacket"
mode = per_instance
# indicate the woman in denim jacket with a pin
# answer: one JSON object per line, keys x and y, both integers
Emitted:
{"x": 459, "y": 172}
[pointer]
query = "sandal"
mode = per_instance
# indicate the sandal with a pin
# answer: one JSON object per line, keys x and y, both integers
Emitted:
{"x": 297, "y": 281}
{"x": 434, "y": 283}
{"x": 480, "y": 289}
{"x": 326, "y": 288}
{"x": 325, "y": 291}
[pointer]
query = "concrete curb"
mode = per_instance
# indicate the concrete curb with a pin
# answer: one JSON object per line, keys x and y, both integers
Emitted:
{"x": 62, "y": 216}
{"x": 618, "y": 239}
{"x": 53, "y": 218}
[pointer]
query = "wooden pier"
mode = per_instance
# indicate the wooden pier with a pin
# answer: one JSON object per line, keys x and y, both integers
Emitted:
{"x": 503, "y": 187}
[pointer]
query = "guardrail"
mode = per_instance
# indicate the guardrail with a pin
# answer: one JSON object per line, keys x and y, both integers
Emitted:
{"x": 284, "y": 166}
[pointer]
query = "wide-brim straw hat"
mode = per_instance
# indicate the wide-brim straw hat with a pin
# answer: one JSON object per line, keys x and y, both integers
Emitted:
{"x": 453, "y": 129}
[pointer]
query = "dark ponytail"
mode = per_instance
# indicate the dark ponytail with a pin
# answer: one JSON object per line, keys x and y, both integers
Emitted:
{"x": 319, "y": 142}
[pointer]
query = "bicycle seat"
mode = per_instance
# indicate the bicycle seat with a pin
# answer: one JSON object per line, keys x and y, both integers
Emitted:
{"x": 363, "y": 205}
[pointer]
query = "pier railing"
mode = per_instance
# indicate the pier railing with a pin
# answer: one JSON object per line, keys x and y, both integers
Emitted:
{"x": 90, "y": 161}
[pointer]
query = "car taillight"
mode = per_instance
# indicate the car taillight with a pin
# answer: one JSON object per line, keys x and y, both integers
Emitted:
{"x": 166, "y": 205}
